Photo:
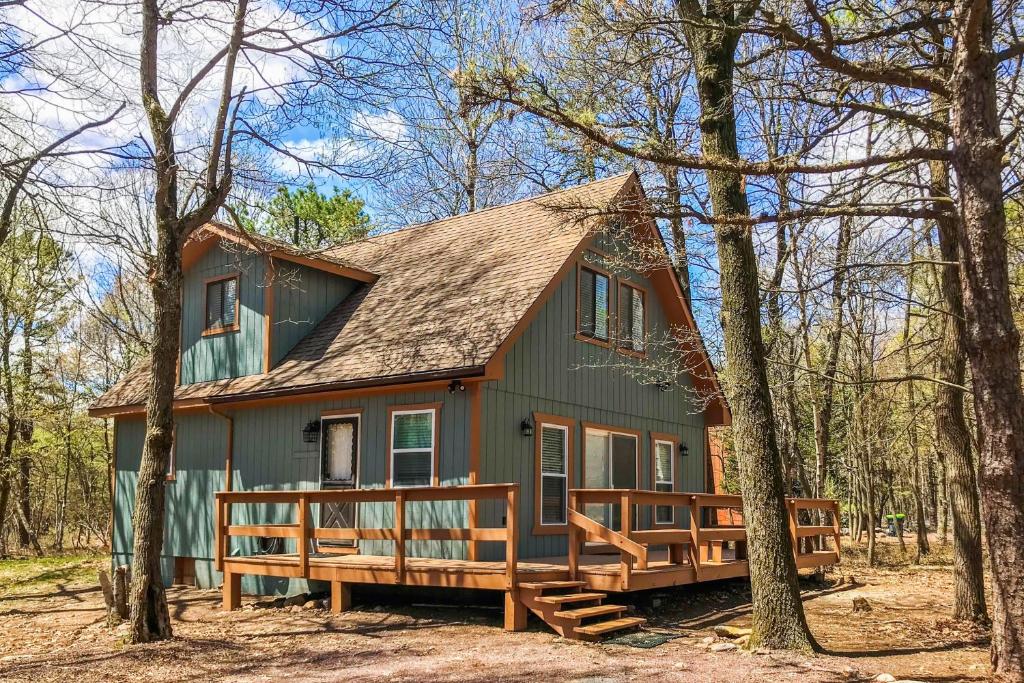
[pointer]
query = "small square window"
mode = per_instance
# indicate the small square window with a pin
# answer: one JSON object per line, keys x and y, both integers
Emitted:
{"x": 222, "y": 304}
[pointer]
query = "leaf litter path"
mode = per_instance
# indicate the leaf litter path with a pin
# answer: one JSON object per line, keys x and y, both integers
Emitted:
{"x": 56, "y": 633}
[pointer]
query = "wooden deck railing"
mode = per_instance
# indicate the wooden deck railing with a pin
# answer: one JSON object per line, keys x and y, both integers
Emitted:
{"x": 698, "y": 545}
{"x": 304, "y": 530}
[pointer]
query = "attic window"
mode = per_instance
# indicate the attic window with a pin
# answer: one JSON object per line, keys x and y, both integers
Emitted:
{"x": 632, "y": 324}
{"x": 221, "y": 304}
{"x": 593, "y": 303}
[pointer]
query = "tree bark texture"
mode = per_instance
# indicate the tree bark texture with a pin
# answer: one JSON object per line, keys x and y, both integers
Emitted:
{"x": 952, "y": 439}
{"x": 993, "y": 342}
{"x": 778, "y": 619}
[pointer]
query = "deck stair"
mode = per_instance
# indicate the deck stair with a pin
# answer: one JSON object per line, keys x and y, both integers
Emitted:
{"x": 574, "y": 613}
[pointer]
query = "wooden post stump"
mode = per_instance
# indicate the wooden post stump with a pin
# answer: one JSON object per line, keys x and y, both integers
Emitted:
{"x": 121, "y": 582}
{"x": 341, "y": 597}
{"x": 232, "y": 591}
{"x": 515, "y": 612}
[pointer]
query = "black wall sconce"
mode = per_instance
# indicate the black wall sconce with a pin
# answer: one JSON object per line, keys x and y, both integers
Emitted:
{"x": 683, "y": 450}
{"x": 311, "y": 432}
{"x": 526, "y": 427}
{"x": 666, "y": 385}
{"x": 456, "y": 385}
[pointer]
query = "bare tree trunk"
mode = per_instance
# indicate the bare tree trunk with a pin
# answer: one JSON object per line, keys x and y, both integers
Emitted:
{"x": 777, "y": 615}
{"x": 993, "y": 342}
{"x": 25, "y": 432}
{"x": 680, "y": 257}
{"x": 952, "y": 438}
{"x": 149, "y": 618}
{"x": 921, "y": 535}
{"x": 10, "y": 433}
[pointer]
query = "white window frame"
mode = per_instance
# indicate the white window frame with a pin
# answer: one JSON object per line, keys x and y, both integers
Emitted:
{"x": 433, "y": 445}
{"x": 671, "y": 474}
{"x": 564, "y": 475}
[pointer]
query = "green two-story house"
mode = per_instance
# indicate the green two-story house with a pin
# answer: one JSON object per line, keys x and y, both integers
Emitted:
{"x": 544, "y": 343}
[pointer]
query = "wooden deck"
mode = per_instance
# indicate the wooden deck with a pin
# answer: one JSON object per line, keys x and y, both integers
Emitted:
{"x": 599, "y": 559}
{"x": 419, "y": 571}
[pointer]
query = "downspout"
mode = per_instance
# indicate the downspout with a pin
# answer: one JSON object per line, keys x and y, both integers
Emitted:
{"x": 228, "y": 464}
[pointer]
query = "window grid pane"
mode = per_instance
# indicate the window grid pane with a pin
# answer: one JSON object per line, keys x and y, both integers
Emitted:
{"x": 637, "y": 320}
{"x": 601, "y": 306}
{"x": 221, "y": 303}
{"x": 663, "y": 462}
{"x": 552, "y": 450}
{"x": 413, "y": 430}
{"x": 594, "y": 302}
{"x": 412, "y": 468}
{"x": 587, "y": 301}
{"x": 553, "y": 499}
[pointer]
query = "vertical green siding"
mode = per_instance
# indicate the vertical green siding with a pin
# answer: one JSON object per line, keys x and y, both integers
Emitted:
{"x": 200, "y": 444}
{"x": 302, "y": 297}
{"x": 230, "y": 354}
{"x": 548, "y": 370}
{"x": 269, "y": 454}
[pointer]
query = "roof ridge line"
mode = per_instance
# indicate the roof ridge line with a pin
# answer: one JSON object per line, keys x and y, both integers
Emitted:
{"x": 533, "y": 198}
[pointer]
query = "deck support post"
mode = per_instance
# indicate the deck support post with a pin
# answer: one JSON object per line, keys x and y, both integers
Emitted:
{"x": 515, "y": 612}
{"x": 232, "y": 591}
{"x": 341, "y": 597}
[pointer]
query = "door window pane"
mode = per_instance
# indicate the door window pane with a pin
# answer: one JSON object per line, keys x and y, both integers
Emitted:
{"x": 340, "y": 451}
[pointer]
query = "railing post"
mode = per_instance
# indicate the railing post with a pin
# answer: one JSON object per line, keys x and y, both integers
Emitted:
{"x": 836, "y": 535}
{"x": 225, "y": 524}
{"x": 304, "y": 534}
{"x": 695, "y": 537}
{"x": 399, "y": 535}
{"x": 218, "y": 534}
{"x": 791, "y": 508}
{"x": 511, "y": 535}
{"x": 626, "y": 523}
{"x": 574, "y": 540}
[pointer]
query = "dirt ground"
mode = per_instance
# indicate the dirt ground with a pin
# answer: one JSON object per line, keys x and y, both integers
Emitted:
{"x": 52, "y": 629}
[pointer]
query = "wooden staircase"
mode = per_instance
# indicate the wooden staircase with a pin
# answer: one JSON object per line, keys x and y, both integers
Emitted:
{"x": 574, "y": 613}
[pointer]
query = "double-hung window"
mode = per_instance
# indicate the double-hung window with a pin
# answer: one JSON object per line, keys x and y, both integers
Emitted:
{"x": 554, "y": 473}
{"x": 594, "y": 316}
{"x": 413, "y": 447}
{"x": 631, "y": 317}
{"x": 221, "y": 304}
{"x": 664, "y": 477}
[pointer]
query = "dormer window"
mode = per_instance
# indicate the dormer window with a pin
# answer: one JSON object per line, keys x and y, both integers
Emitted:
{"x": 593, "y": 304}
{"x": 221, "y": 304}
